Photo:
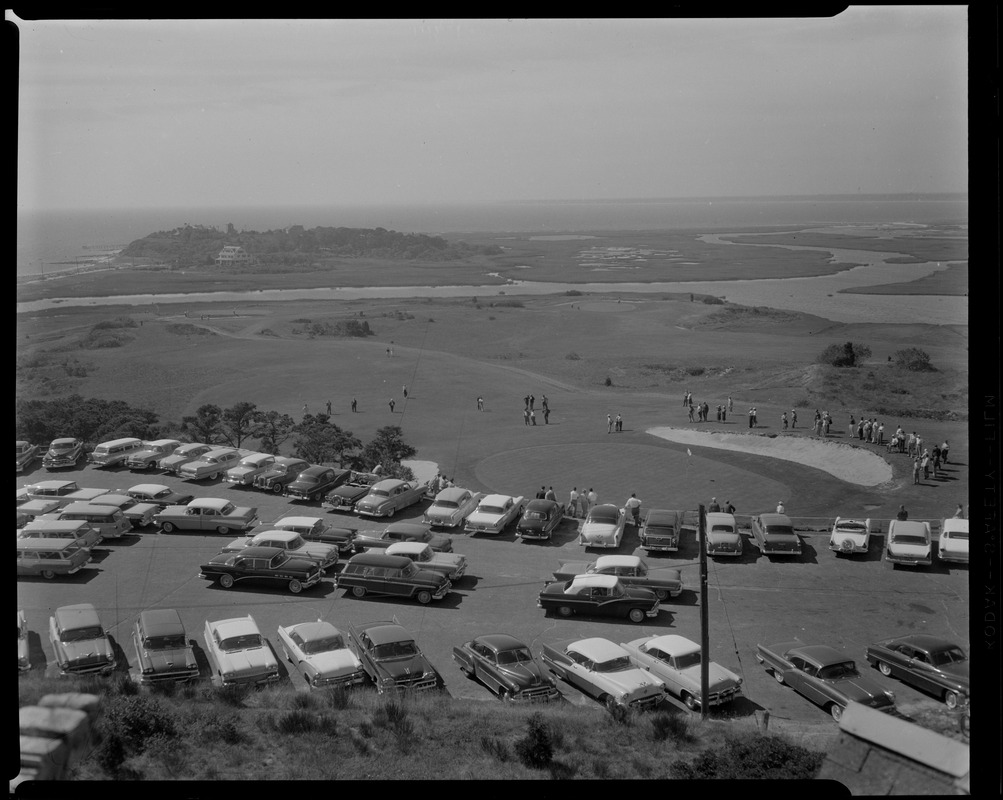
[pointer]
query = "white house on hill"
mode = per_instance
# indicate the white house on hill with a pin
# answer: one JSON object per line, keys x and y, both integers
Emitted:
{"x": 233, "y": 254}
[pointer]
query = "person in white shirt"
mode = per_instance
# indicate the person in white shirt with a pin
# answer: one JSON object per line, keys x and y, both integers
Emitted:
{"x": 780, "y": 508}
{"x": 573, "y": 502}
{"x": 593, "y": 499}
{"x": 633, "y": 506}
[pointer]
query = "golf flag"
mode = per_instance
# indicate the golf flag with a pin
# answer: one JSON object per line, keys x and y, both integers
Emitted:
{"x": 689, "y": 452}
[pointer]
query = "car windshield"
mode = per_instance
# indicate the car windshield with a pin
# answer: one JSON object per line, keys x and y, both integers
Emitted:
{"x": 618, "y": 664}
{"x": 518, "y": 656}
{"x": 953, "y": 655}
{"x": 81, "y": 634}
{"x": 409, "y": 571}
{"x": 22, "y": 448}
{"x": 324, "y": 645}
{"x": 958, "y": 535}
{"x": 903, "y": 539}
{"x": 535, "y": 515}
{"x": 490, "y": 509}
{"x": 243, "y": 642}
{"x": 170, "y": 642}
{"x": 447, "y": 504}
{"x": 61, "y": 446}
{"x": 835, "y": 671}
{"x": 295, "y": 543}
{"x": 688, "y": 660}
{"x": 229, "y": 508}
{"x": 852, "y": 527}
{"x": 603, "y": 515}
{"x": 779, "y": 530}
{"x": 394, "y": 650}
{"x": 380, "y": 493}
{"x": 278, "y": 560}
{"x": 721, "y": 529}
{"x": 161, "y": 493}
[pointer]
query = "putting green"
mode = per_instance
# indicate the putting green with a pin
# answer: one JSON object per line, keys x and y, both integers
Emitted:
{"x": 661, "y": 477}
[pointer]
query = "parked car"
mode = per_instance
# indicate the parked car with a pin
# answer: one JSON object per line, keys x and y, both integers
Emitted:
{"x": 23, "y": 659}
{"x": 391, "y": 657}
{"x": 665, "y": 582}
{"x": 324, "y": 556}
{"x": 26, "y": 455}
{"x": 113, "y": 453}
{"x": 320, "y": 653}
{"x": 158, "y": 494}
{"x": 315, "y": 529}
{"x": 403, "y": 532}
{"x": 63, "y": 452}
{"x": 33, "y": 509}
{"x": 269, "y": 565}
{"x": 84, "y": 495}
{"x": 139, "y": 515}
{"x": 506, "y": 667}
{"x": 184, "y": 454}
{"x": 953, "y": 542}
{"x": 388, "y": 497}
{"x": 909, "y": 542}
{"x": 452, "y": 565}
{"x": 397, "y": 576}
{"x": 603, "y": 527}
{"x": 451, "y": 507}
{"x": 209, "y": 466}
{"x": 823, "y": 675}
{"x": 207, "y": 514}
{"x": 78, "y": 530}
{"x": 661, "y": 530}
{"x": 108, "y": 521}
{"x": 280, "y": 474}
{"x": 850, "y": 536}
{"x": 314, "y": 483}
{"x": 539, "y": 519}
{"x": 723, "y": 538}
{"x": 348, "y": 494}
{"x": 151, "y": 454}
{"x": 79, "y": 641}
{"x": 47, "y": 557}
{"x": 494, "y": 513}
{"x": 50, "y": 490}
{"x": 676, "y": 661}
{"x": 598, "y": 595}
{"x": 933, "y": 665}
{"x": 774, "y": 535}
{"x": 249, "y": 468}
{"x": 163, "y": 652}
{"x": 238, "y": 653}
{"x": 603, "y": 670}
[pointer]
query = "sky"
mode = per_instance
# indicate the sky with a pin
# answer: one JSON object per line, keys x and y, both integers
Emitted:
{"x": 174, "y": 113}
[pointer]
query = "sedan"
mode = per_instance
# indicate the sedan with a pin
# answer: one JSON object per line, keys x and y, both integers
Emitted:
{"x": 665, "y": 582}
{"x": 493, "y": 514}
{"x": 451, "y": 507}
{"x": 934, "y": 665}
{"x": 269, "y": 565}
{"x": 540, "y": 519}
{"x": 603, "y": 527}
{"x": 163, "y": 496}
{"x": 320, "y": 652}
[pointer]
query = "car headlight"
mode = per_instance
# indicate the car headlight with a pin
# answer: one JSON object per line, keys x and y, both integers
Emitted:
{"x": 387, "y": 682}
{"x": 147, "y": 670}
{"x": 109, "y": 656}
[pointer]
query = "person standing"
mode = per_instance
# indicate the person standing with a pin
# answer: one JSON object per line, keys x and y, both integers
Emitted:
{"x": 304, "y": 409}
{"x": 633, "y": 506}
{"x": 780, "y": 508}
{"x": 525, "y": 415}
{"x": 619, "y": 423}
{"x": 706, "y": 411}
{"x": 943, "y": 453}
{"x": 783, "y": 420}
{"x": 546, "y": 416}
{"x": 853, "y": 425}
{"x": 959, "y": 512}
{"x": 794, "y": 417}
{"x": 915, "y": 470}
{"x": 544, "y": 404}
{"x": 532, "y": 400}
{"x": 881, "y": 433}
{"x": 609, "y": 424}
{"x": 525, "y": 401}
{"x": 392, "y": 404}
{"x": 728, "y": 507}
{"x": 750, "y": 419}
{"x": 404, "y": 390}
{"x": 583, "y": 504}
{"x": 532, "y": 416}
{"x": 551, "y": 494}
{"x": 724, "y": 414}
{"x": 719, "y": 413}
{"x": 714, "y": 505}
{"x": 902, "y": 514}
{"x": 541, "y": 493}
{"x": 691, "y": 412}
{"x": 686, "y": 398}
{"x": 593, "y": 498}
{"x": 480, "y": 403}
{"x": 573, "y": 502}
{"x": 925, "y": 464}
{"x": 731, "y": 406}
{"x": 329, "y": 408}
{"x": 936, "y": 462}
{"x": 355, "y": 405}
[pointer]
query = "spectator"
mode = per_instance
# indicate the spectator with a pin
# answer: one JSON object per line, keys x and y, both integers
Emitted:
{"x": 915, "y": 470}
{"x": 593, "y": 498}
{"x": 633, "y": 506}
{"x": 714, "y": 505}
{"x": 943, "y": 451}
{"x": 783, "y": 420}
{"x": 532, "y": 416}
{"x": 551, "y": 494}
{"x": 609, "y": 424}
{"x": 728, "y": 507}
{"x": 542, "y": 493}
{"x": 902, "y": 514}
{"x": 546, "y": 416}
{"x": 355, "y": 405}
{"x": 925, "y": 464}
{"x": 392, "y": 404}
{"x": 573, "y": 502}
{"x": 525, "y": 415}
{"x": 480, "y": 403}
{"x": 794, "y": 417}
{"x": 959, "y": 512}
{"x": 780, "y": 508}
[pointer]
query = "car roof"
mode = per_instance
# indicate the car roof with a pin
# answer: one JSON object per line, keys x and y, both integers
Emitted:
{"x": 386, "y": 632}
{"x": 387, "y": 483}
{"x": 313, "y": 470}
{"x": 64, "y": 440}
{"x": 150, "y": 488}
{"x": 192, "y": 445}
{"x": 495, "y": 499}
{"x": 50, "y": 484}
{"x": 56, "y": 525}
{"x": 161, "y": 622}
{"x": 77, "y": 616}
{"x": 452, "y": 493}
{"x": 380, "y": 559}
{"x": 320, "y": 629}
{"x": 210, "y": 502}
{"x": 823, "y": 654}
{"x": 21, "y": 443}
{"x": 161, "y": 442}
{"x": 598, "y": 649}
{"x": 909, "y": 527}
{"x": 617, "y": 561}
{"x": 407, "y": 527}
{"x": 261, "y": 552}
{"x": 922, "y": 641}
{"x": 218, "y": 451}
{"x": 720, "y": 517}
{"x": 954, "y": 524}
{"x": 657, "y": 515}
{"x": 299, "y": 521}
{"x": 256, "y": 457}
{"x": 500, "y": 642}
{"x": 83, "y": 507}
{"x": 603, "y": 581}
{"x": 236, "y": 626}
{"x": 403, "y": 548}
{"x": 285, "y": 460}
{"x": 540, "y": 505}
{"x": 280, "y": 535}
{"x": 673, "y": 644}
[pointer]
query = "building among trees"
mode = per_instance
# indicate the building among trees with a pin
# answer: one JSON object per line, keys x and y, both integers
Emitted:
{"x": 233, "y": 254}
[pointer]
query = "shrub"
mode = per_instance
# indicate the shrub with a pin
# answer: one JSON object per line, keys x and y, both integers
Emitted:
{"x": 914, "y": 360}
{"x": 673, "y": 727}
{"x": 137, "y": 719}
{"x": 535, "y": 749}
{"x": 573, "y": 356}
{"x": 231, "y": 695}
{"x": 844, "y": 355}
{"x": 608, "y": 381}
{"x": 494, "y": 747}
{"x": 765, "y": 757}
{"x": 337, "y": 698}
{"x": 712, "y": 301}
{"x": 300, "y": 721}
{"x": 694, "y": 371}
{"x": 118, "y": 322}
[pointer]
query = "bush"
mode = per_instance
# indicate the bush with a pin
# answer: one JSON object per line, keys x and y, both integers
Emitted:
{"x": 844, "y": 355}
{"x": 673, "y": 727}
{"x": 535, "y": 750}
{"x": 135, "y": 721}
{"x": 712, "y": 301}
{"x": 914, "y": 360}
{"x": 694, "y": 371}
{"x": 765, "y": 757}
{"x": 573, "y": 356}
{"x": 495, "y": 747}
{"x": 608, "y": 381}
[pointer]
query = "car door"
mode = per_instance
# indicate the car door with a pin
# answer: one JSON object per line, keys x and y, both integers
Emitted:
{"x": 580, "y": 674}
{"x": 921, "y": 673}
{"x": 810, "y": 684}
{"x": 485, "y": 667}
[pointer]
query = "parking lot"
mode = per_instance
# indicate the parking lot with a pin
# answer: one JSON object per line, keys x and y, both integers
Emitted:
{"x": 817, "y": 597}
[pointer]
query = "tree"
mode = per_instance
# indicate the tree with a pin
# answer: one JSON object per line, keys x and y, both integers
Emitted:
{"x": 274, "y": 429}
{"x": 92, "y": 420}
{"x": 914, "y": 359}
{"x": 844, "y": 355}
{"x": 239, "y": 422}
{"x": 206, "y": 426}
{"x": 319, "y": 441}
{"x": 387, "y": 448}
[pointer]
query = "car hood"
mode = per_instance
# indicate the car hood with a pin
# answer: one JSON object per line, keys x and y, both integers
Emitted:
{"x": 163, "y": 660}
{"x": 957, "y": 671}
{"x": 91, "y": 648}
{"x": 406, "y": 667}
{"x": 719, "y": 678}
{"x": 636, "y": 682}
{"x": 334, "y": 663}
{"x": 862, "y": 690}
{"x": 525, "y": 674}
{"x": 247, "y": 661}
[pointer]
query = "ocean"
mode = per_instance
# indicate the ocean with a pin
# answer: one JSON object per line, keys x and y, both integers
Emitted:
{"x": 48, "y": 241}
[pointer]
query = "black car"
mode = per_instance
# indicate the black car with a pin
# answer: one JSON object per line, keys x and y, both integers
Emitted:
{"x": 399, "y": 576}
{"x": 934, "y": 665}
{"x": 163, "y": 496}
{"x": 262, "y": 565}
{"x": 391, "y": 657}
{"x": 315, "y": 482}
{"x": 598, "y": 596}
{"x": 282, "y": 473}
{"x": 539, "y": 519}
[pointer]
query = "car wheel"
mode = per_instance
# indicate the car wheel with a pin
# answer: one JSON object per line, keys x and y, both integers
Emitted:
{"x": 359, "y": 591}
{"x": 48, "y": 574}
{"x": 951, "y": 699}
{"x": 836, "y": 711}
{"x": 662, "y": 594}
{"x": 636, "y": 615}
{"x": 226, "y": 581}
{"x": 778, "y": 676}
{"x": 884, "y": 668}
{"x": 691, "y": 702}
{"x": 222, "y": 529}
{"x": 564, "y": 611}
{"x": 424, "y": 597}
{"x": 504, "y": 695}
{"x": 295, "y": 586}
{"x": 277, "y": 488}
{"x": 167, "y": 527}
{"x": 214, "y": 476}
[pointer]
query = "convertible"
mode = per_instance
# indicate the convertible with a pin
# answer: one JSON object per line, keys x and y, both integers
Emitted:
{"x": 665, "y": 582}
{"x": 850, "y": 536}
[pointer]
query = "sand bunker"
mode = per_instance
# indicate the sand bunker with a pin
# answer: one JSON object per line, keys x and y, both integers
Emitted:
{"x": 851, "y": 464}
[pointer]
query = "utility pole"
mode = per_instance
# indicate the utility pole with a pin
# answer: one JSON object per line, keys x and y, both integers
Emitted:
{"x": 704, "y": 619}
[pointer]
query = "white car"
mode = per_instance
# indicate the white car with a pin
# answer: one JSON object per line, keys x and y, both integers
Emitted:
{"x": 675, "y": 660}
{"x": 850, "y": 536}
{"x": 909, "y": 542}
{"x": 723, "y": 538}
{"x": 249, "y": 468}
{"x": 953, "y": 544}
{"x": 152, "y": 453}
{"x": 210, "y": 465}
{"x": 323, "y": 555}
{"x": 181, "y": 456}
{"x": 238, "y": 653}
{"x": 493, "y": 514}
{"x": 603, "y": 527}
{"x": 320, "y": 652}
{"x": 451, "y": 507}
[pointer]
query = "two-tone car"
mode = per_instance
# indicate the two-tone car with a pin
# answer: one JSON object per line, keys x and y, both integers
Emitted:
{"x": 604, "y": 671}
{"x": 931, "y": 664}
{"x": 183, "y": 455}
{"x": 452, "y": 565}
{"x": 140, "y": 515}
{"x": 249, "y": 468}
{"x": 677, "y": 662}
{"x": 151, "y": 454}
{"x": 163, "y": 652}
{"x": 494, "y": 513}
{"x": 392, "y": 658}
{"x": 403, "y": 532}
{"x": 315, "y": 482}
{"x": 389, "y": 496}
{"x": 774, "y": 535}
{"x": 823, "y": 675}
{"x": 63, "y": 452}
{"x": 665, "y": 582}
{"x": 539, "y": 519}
{"x": 209, "y": 466}
{"x": 723, "y": 538}
{"x": 271, "y": 566}
{"x": 238, "y": 654}
{"x": 395, "y": 576}
{"x": 850, "y": 536}
{"x": 506, "y": 667}
{"x": 315, "y": 529}
{"x": 324, "y": 556}
{"x": 598, "y": 596}
{"x": 26, "y": 455}
{"x": 50, "y": 490}
{"x": 344, "y": 498}
{"x": 48, "y": 557}
{"x": 952, "y": 544}
{"x": 79, "y": 642}
{"x": 909, "y": 543}
{"x": 158, "y": 494}
{"x": 207, "y": 514}
{"x": 661, "y": 530}
{"x": 33, "y": 509}
{"x": 451, "y": 507}
{"x": 113, "y": 453}
{"x": 603, "y": 527}
{"x": 321, "y": 654}
{"x": 280, "y": 474}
